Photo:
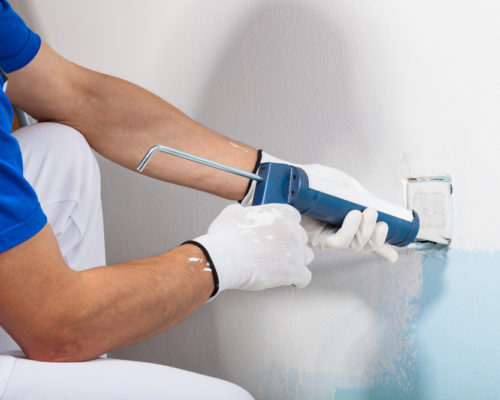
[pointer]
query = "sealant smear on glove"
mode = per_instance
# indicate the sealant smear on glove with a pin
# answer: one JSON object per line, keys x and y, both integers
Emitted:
{"x": 241, "y": 264}
{"x": 258, "y": 218}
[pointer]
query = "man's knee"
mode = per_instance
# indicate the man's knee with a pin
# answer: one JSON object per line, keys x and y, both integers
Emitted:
{"x": 58, "y": 162}
{"x": 235, "y": 392}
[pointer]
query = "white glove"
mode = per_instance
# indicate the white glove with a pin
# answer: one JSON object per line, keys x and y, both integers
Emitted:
{"x": 360, "y": 232}
{"x": 256, "y": 248}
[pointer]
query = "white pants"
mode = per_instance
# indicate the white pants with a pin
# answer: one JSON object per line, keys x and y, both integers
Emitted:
{"x": 63, "y": 171}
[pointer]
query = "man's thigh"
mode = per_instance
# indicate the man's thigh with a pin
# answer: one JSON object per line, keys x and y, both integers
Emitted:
{"x": 113, "y": 379}
{"x": 61, "y": 167}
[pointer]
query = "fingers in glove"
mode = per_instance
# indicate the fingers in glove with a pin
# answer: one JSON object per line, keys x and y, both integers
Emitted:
{"x": 317, "y": 231}
{"x": 227, "y": 213}
{"x": 302, "y": 235}
{"x": 377, "y": 238}
{"x": 387, "y": 253}
{"x": 346, "y": 234}
{"x": 308, "y": 256}
{"x": 366, "y": 228}
{"x": 231, "y": 211}
{"x": 302, "y": 277}
{"x": 289, "y": 211}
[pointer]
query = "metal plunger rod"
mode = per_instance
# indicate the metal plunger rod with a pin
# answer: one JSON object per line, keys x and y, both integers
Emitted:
{"x": 192, "y": 157}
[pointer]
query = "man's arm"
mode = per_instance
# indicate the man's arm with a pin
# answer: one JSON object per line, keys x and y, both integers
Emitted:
{"x": 122, "y": 121}
{"x": 57, "y": 314}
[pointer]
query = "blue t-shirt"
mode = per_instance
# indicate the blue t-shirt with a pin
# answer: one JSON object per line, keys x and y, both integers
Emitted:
{"x": 21, "y": 216}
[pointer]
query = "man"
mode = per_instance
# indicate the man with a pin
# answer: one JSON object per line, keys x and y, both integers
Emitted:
{"x": 60, "y": 307}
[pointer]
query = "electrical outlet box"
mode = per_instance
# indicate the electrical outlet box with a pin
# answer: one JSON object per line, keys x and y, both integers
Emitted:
{"x": 430, "y": 197}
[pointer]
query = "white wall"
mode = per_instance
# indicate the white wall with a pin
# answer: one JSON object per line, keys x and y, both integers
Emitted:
{"x": 381, "y": 90}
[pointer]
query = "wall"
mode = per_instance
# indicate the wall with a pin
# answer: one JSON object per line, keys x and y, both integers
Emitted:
{"x": 381, "y": 90}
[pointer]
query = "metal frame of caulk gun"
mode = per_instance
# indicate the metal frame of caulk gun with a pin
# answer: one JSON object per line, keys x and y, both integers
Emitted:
{"x": 286, "y": 184}
{"x": 191, "y": 157}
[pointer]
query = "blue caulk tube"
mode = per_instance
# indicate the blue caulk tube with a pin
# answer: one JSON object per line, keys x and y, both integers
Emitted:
{"x": 288, "y": 184}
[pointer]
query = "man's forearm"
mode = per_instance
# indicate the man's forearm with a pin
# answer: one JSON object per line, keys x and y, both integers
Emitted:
{"x": 122, "y": 121}
{"x": 126, "y": 303}
{"x": 75, "y": 316}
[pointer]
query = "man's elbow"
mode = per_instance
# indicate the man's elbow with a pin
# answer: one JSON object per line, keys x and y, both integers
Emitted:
{"x": 58, "y": 345}
{"x": 57, "y": 334}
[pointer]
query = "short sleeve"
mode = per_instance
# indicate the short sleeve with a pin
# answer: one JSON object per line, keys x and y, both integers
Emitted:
{"x": 18, "y": 43}
{"x": 21, "y": 215}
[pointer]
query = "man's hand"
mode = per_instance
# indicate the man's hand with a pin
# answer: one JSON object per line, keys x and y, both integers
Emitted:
{"x": 256, "y": 248}
{"x": 360, "y": 232}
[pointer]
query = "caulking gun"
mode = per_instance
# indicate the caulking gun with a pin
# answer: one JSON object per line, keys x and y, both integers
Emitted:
{"x": 325, "y": 201}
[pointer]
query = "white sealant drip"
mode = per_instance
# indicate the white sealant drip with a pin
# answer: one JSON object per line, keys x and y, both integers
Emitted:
{"x": 238, "y": 147}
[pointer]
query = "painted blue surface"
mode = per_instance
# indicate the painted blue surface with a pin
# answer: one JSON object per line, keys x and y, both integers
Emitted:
{"x": 457, "y": 333}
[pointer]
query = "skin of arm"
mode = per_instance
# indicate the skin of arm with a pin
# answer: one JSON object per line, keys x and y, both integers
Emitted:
{"x": 121, "y": 121}
{"x": 57, "y": 314}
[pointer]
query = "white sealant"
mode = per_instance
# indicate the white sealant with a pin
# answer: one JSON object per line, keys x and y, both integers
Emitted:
{"x": 238, "y": 147}
{"x": 259, "y": 217}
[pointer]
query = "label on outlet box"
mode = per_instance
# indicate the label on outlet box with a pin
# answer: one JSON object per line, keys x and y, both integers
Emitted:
{"x": 430, "y": 197}
{"x": 431, "y": 209}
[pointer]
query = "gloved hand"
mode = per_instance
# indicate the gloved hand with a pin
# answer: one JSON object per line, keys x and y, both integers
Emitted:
{"x": 256, "y": 248}
{"x": 360, "y": 232}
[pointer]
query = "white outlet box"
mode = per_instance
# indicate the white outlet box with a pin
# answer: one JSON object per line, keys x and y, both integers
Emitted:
{"x": 430, "y": 197}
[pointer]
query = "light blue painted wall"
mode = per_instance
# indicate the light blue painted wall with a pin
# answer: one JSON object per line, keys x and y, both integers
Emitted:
{"x": 457, "y": 334}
